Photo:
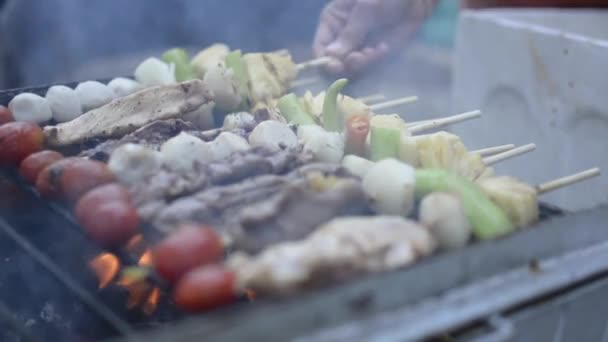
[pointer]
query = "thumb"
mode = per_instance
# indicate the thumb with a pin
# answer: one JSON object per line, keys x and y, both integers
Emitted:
{"x": 357, "y": 27}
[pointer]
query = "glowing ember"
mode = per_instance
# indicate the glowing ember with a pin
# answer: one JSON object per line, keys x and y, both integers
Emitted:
{"x": 106, "y": 267}
{"x": 152, "y": 301}
{"x": 146, "y": 259}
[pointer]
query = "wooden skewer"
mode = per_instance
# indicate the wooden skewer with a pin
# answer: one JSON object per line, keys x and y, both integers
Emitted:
{"x": 509, "y": 154}
{"x": 568, "y": 180}
{"x": 305, "y": 82}
{"x": 313, "y": 63}
{"x": 493, "y": 150}
{"x": 393, "y": 103}
{"x": 445, "y": 121}
{"x": 371, "y": 98}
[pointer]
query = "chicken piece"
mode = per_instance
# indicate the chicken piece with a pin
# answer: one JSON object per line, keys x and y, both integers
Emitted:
{"x": 125, "y": 115}
{"x": 443, "y": 214}
{"x": 270, "y": 75}
{"x": 209, "y": 57}
{"x": 518, "y": 200}
{"x": 343, "y": 245}
{"x": 446, "y": 151}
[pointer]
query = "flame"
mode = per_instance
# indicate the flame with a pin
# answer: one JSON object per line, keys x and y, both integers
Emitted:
{"x": 152, "y": 301}
{"x": 106, "y": 267}
{"x": 145, "y": 259}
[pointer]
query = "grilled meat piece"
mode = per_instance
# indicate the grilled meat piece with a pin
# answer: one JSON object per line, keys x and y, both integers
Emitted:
{"x": 126, "y": 114}
{"x": 165, "y": 186}
{"x": 268, "y": 209}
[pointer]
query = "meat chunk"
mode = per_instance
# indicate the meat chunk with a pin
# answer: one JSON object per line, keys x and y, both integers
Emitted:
{"x": 166, "y": 185}
{"x": 268, "y": 209}
{"x": 126, "y": 114}
{"x": 337, "y": 249}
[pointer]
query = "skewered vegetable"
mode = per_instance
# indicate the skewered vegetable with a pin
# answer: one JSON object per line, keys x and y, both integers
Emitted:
{"x": 205, "y": 288}
{"x": 209, "y": 57}
{"x": 18, "y": 140}
{"x": 70, "y": 178}
{"x": 325, "y": 146}
{"x": 385, "y": 136}
{"x": 64, "y": 102}
{"x": 226, "y": 144}
{"x": 356, "y": 244}
{"x": 154, "y": 72}
{"x": 124, "y": 86}
{"x": 129, "y": 113}
{"x": 443, "y": 213}
{"x": 107, "y": 215}
{"x": 32, "y": 165}
{"x": 225, "y": 87}
{"x": 270, "y": 75}
{"x": 30, "y": 107}
{"x": 131, "y": 162}
{"x": 517, "y": 199}
{"x": 291, "y": 109}
{"x": 356, "y": 165}
{"x": 390, "y": 184}
{"x": 184, "y": 71}
{"x": 188, "y": 247}
{"x": 235, "y": 62}
{"x": 487, "y": 220}
{"x": 446, "y": 151}
{"x": 273, "y": 135}
{"x": 93, "y": 94}
{"x": 182, "y": 152}
{"x": 357, "y": 130}
{"x": 332, "y": 117}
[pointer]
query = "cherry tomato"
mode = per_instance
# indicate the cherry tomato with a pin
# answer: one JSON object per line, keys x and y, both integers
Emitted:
{"x": 5, "y": 115}
{"x": 31, "y": 166}
{"x": 190, "y": 246}
{"x": 70, "y": 178}
{"x": 205, "y": 288}
{"x": 357, "y": 127}
{"x": 18, "y": 140}
{"x": 102, "y": 194}
{"x": 110, "y": 224}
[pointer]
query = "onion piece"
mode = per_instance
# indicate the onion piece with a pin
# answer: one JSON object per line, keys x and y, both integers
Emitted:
{"x": 226, "y": 144}
{"x": 153, "y": 72}
{"x": 124, "y": 86}
{"x": 325, "y": 146}
{"x": 182, "y": 152}
{"x": 225, "y": 87}
{"x": 444, "y": 215}
{"x": 131, "y": 162}
{"x": 65, "y": 103}
{"x": 273, "y": 135}
{"x": 356, "y": 165}
{"x": 202, "y": 118}
{"x": 30, "y": 107}
{"x": 93, "y": 94}
{"x": 391, "y": 185}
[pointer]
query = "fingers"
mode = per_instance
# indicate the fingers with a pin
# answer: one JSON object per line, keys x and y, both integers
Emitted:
{"x": 331, "y": 21}
{"x": 356, "y": 28}
{"x": 359, "y": 60}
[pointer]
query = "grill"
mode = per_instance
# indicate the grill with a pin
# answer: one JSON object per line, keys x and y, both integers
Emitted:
{"x": 50, "y": 293}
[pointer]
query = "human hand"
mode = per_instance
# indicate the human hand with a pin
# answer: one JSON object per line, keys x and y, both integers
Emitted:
{"x": 358, "y": 32}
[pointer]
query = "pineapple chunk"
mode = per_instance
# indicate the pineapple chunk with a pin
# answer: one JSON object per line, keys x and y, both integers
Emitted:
{"x": 519, "y": 200}
{"x": 446, "y": 151}
{"x": 270, "y": 75}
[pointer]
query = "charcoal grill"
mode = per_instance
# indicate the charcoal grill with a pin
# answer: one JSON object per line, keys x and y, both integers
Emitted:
{"x": 50, "y": 294}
